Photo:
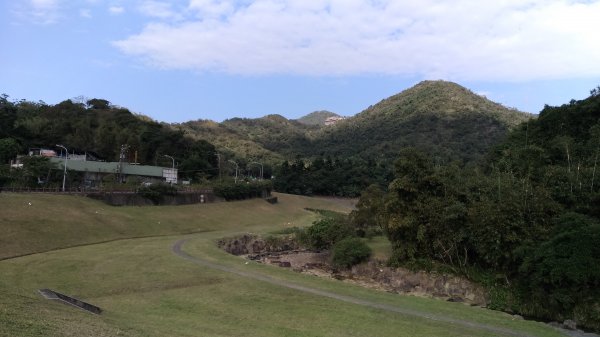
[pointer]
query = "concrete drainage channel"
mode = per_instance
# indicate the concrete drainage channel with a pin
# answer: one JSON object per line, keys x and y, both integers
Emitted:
{"x": 53, "y": 295}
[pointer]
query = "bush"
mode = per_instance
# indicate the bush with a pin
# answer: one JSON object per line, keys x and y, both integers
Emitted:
{"x": 324, "y": 233}
{"x": 563, "y": 274}
{"x": 350, "y": 251}
{"x": 156, "y": 192}
{"x": 242, "y": 190}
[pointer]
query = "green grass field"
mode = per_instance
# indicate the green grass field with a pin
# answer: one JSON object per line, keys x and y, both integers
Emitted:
{"x": 120, "y": 259}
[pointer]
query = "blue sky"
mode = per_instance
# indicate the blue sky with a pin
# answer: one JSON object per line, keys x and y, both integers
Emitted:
{"x": 205, "y": 59}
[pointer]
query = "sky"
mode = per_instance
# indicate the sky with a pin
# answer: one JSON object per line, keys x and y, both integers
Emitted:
{"x": 177, "y": 61}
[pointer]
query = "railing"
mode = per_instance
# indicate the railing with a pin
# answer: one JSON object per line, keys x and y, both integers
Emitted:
{"x": 58, "y": 190}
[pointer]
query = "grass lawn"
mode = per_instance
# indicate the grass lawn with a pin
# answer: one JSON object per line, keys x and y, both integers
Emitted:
{"x": 146, "y": 290}
{"x": 381, "y": 247}
{"x": 58, "y": 221}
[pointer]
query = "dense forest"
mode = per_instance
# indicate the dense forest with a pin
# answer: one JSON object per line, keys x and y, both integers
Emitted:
{"x": 526, "y": 222}
{"x": 100, "y": 129}
{"x": 330, "y": 176}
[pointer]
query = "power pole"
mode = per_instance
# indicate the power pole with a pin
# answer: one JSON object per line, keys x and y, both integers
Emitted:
{"x": 219, "y": 164}
{"x": 122, "y": 157}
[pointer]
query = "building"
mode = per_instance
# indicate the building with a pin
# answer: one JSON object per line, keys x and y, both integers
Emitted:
{"x": 333, "y": 119}
{"x": 95, "y": 171}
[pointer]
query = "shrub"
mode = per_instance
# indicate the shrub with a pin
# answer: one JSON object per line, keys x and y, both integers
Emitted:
{"x": 156, "y": 192}
{"x": 563, "y": 274}
{"x": 230, "y": 191}
{"x": 350, "y": 251}
{"x": 326, "y": 232}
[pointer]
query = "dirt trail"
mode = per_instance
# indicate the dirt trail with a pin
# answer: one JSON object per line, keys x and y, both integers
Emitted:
{"x": 177, "y": 249}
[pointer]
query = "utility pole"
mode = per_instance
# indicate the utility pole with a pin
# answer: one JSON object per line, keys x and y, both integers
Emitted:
{"x": 122, "y": 156}
{"x": 65, "y": 171}
{"x": 173, "y": 167}
{"x": 236, "y": 170}
{"x": 219, "y": 163}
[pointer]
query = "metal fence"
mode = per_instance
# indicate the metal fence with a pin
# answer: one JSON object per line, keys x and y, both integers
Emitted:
{"x": 58, "y": 190}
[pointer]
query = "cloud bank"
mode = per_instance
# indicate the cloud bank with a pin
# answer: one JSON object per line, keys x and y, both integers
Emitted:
{"x": 510, "y": 40}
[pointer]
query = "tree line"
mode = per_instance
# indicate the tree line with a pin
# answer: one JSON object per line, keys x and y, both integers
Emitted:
{"x": 330, "y": 176}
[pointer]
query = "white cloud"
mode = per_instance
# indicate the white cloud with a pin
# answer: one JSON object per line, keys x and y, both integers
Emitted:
{"x": 158, "y": 9}
{"x": 41, "y": 11}
{"x": 458, "y": 39}
{"x": 116, "y": 10}
{"x": 211, "y": 8}
{"x": 85, "y": 13}
{"x": 44, "y": 4}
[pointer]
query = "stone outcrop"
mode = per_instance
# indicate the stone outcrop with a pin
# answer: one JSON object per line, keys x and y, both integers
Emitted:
{"x": 253, "y": 244}
{"x": 284, "y": 251}
{"x": 400, "y": 280}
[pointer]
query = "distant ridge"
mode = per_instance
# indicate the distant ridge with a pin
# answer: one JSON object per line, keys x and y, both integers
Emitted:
{"x": 317, "y": 117}
{"x": 445, "y": 120}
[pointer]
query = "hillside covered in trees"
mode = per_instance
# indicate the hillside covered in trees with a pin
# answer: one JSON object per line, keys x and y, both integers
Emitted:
{"x": 442, "y": 119}
{"x": 98, "y": 128}
{"x": 526, "y": 222}
{"x": 317, "y": 117}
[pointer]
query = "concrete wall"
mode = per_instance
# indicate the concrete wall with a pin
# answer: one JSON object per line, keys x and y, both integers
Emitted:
{"x": 134, "y": 199}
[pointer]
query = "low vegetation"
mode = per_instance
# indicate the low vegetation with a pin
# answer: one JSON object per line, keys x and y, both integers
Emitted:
{"x": 349, "y": 252}
{"x": 244, "y": 190}
{"x": 156, "y": 192}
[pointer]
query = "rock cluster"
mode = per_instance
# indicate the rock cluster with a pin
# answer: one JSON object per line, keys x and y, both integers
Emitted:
{"x": 253, "y": 244}
{"x": 283, "y": 251}
{"x": 401, "y": 280}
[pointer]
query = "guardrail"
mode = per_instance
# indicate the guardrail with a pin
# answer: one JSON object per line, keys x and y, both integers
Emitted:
{"x": 53, "y": 295}
{"x": 58, "y": 190}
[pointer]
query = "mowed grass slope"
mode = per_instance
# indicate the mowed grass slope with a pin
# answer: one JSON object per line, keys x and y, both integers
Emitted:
{"x": 146, "y": 290}
{"x": 32, "y": 223}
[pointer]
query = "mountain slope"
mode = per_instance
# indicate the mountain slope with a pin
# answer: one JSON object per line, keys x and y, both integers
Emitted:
{"x": 228, "y": 140}
{"x": 317, "y": 117}
{"x": 444, "y": 119}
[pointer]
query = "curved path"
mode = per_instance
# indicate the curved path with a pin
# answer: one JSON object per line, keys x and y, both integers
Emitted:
{"x": 177, "y": 249}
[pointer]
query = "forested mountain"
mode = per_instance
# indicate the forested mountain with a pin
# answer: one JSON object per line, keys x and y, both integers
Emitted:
{"x": 274, "y": 132}
{"x": 228, "y": 140}
{"x": 272, "y": 138}
{"x": 441, "y": 118}
{"x": 317, "y": 117}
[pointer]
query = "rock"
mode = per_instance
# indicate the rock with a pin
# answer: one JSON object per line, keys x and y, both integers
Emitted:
{"x": 285, "y": 264}
{"x": 570, "y": 324}
{"x": 455, "y": 299}
{"x": 518, "y": 317}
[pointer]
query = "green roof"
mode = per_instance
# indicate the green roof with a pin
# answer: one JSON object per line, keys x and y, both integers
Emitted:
{"x": 110, "y": 167}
